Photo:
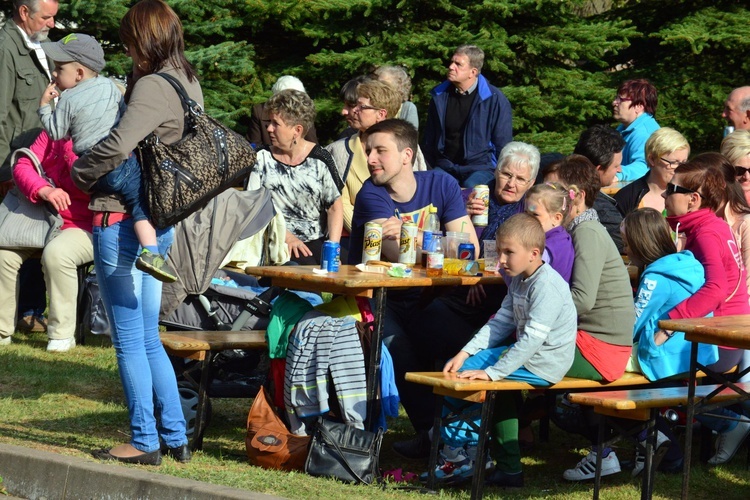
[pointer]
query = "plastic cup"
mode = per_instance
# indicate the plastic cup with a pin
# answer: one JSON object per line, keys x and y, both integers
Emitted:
{"x": 452, "y": 240}
{"x": 490, "y": 256}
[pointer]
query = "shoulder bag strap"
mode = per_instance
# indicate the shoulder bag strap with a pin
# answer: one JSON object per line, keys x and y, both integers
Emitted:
{"x": 34, "y": 160}
{"x": 190, "y": 107}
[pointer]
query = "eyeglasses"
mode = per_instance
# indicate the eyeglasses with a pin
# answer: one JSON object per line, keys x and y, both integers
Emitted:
{"x": 672, "y": 163}
{"x": 674, "y": 188}
{"x": 510, "y": 177}
{"x": 740, "y": 171}
{"x": 361, "y": 107}
{"x": 619, "y": 99}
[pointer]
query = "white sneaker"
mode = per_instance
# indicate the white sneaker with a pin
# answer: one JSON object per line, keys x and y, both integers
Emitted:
{"x": 728, "y": 443}
{"x": 61, "y": 345}
{"x": 4, "y": 340}
{"x": 586, "y": 468}
{"x": 662, "y": 446}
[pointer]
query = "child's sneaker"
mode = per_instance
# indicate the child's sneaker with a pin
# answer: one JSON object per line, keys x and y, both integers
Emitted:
{"x": 450, "y": 461}
{"x": 586, "y": 468}
{"x": 156, "y": 265}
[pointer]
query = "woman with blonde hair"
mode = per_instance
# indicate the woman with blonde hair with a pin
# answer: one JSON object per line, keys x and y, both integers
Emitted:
{"x": 666, "y": 149}
{"x": 736, "y": 148}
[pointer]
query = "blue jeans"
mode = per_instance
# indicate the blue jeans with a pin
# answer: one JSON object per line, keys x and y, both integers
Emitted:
{"x": 125, "y": 180}
{"x": 132, "y": 300}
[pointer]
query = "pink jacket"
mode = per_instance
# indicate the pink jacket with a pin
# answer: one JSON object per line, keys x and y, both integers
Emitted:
{"x": 711, "y": 241}
{"x": 57, "y": 158}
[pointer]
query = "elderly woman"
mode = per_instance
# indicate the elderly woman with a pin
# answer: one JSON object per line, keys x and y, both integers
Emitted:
{"x": 70, "y": 249}
{"x": 301, "y": 176}
{"x": 736, "y": 148}
{"x": 259, "y": 121}
{"x": 634, "y": 107}
{"x": 396, "y": 77}
{"x": 666, "y": 150}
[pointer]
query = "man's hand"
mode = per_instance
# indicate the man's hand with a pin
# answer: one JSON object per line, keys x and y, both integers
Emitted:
{"x": 456, "y": 362}
{"x": 392, "y": 228}
{"x": 296, "y": 247}
{"x": 49, "y": 94}
{"x": 476, "y": 295}
{"x": 55, "y": 196}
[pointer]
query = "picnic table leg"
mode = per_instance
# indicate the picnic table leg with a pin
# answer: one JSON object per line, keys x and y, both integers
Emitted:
{"x": 373, "y": 373}
{"x": 647, "y": 483}
{"x": 436, "y": 428}
{"x": 599, "y": 450}
{"x": 689, "y": 422}
{"x": 488, "y": 408}
{"x": 202, "y": 402}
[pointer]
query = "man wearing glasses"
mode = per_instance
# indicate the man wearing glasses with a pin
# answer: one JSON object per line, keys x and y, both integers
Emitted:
{"x": 603, "y": 146}
{"x": 468, "y": 121}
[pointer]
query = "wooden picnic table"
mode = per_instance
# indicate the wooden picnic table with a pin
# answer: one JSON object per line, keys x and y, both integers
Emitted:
{"x": 727, "y": 331}
{"x": 353, "y": 282}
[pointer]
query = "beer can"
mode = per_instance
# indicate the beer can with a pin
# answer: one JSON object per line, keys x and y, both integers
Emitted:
{"x": 466, "y": 251}
{"x": 482, "y": 192}
{"x": 373, "y": 242}
{"x": 331, "y": 257}
{"x": 407, "y": 249}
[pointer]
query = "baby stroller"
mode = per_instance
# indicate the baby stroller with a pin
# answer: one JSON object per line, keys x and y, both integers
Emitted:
{"x": 199, "y": 300}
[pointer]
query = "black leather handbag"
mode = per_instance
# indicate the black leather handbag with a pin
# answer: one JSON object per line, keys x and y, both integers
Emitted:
{"x": 344, "y": 452}
{"x": 181, "y": 178}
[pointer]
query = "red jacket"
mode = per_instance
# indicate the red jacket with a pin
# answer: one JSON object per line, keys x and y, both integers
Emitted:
{"x": 56, "y": 158}
{"x": 711, "y": 241}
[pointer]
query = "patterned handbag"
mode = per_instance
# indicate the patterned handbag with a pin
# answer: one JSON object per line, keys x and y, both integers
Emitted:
{"x": 181, "y": 178}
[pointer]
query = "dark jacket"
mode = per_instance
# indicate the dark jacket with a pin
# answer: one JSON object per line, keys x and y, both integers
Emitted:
{"x": 22, "y": 82}
{"x": 488, "y": 129}
{"x": 610, "y": 217}
{"x": 629, "y": 197}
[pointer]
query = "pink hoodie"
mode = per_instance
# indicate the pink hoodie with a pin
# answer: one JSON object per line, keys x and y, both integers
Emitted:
{"x": 57, "y": 158}
{"x": 712, "y": 242}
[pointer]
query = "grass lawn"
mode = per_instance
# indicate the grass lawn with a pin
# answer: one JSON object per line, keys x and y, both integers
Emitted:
{"x": 72, "y": 403}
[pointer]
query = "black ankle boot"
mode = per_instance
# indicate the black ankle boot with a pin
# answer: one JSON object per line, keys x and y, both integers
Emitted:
{"x": 179, "y": 453}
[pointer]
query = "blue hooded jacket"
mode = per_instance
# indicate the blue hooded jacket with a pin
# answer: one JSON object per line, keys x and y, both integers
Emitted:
{"x": 664, "y": 284}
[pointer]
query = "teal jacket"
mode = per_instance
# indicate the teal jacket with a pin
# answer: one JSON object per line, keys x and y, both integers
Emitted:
{"x": 22, "y": 82}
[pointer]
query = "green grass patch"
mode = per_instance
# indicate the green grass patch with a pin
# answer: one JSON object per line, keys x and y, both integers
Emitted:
{"x": 72, "y": 403}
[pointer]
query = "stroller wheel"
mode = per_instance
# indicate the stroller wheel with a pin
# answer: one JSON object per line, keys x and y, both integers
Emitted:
{"x": 189, "y": 402}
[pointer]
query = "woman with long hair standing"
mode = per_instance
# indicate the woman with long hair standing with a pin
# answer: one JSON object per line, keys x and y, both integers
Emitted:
{"x": 152, "y": 35}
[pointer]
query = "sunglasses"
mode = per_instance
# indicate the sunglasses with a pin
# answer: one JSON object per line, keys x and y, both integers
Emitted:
{"x": 674, "y": 188}
{"x": 740, "y": 171}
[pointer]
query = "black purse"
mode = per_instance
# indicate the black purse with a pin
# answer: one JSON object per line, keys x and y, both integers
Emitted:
{"x": 344, "y": 452}
{"x": 181, "y": 178}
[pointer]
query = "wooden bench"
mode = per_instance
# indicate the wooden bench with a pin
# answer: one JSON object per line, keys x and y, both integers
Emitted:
{"x": 480, "y": 391}
{"x": 643, "y": 405}
{"x": 202, "y": 346}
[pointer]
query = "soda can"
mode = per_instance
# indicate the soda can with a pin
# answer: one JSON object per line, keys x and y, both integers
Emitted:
{"x": 407, "y": 249}
{"x": 373, "y": 242}
{"x": 466, "y": 251}
{"x": 331, "y": 258}
{"x": 482, "y": 192}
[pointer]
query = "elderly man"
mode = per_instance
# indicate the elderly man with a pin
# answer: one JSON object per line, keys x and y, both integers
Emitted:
{"x": 468, "y": 121}
{"x": 603, "y": 146}
{"x": 737, "y": 108}
{"x": 24, "y": 74}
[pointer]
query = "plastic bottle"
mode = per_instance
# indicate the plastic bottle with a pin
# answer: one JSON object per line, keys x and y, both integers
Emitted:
{"x": 436, "y": 258}
{"x": 432, "y": 224}
{"x": 430, "y": 230}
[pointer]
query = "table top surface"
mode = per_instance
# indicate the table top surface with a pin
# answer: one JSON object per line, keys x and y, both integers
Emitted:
{"x": 351, "y": 280}
{"x": 728, "y": 331}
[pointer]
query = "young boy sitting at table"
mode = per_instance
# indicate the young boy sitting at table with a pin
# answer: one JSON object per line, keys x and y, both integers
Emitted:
{"x": 539, "y": 309}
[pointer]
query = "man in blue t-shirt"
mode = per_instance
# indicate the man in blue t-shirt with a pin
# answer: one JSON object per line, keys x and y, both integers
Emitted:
{"x": 394, "y": 193}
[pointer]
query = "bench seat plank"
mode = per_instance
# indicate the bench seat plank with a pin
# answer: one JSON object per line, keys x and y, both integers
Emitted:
{"x": 195, "y": 344}
{"x": 451, "y": 382}
{"x": 636, "y": 399}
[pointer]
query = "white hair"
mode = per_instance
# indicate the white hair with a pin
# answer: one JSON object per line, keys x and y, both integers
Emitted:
{"x": 287, "y": 82}
{"x": 516, "y": 152}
